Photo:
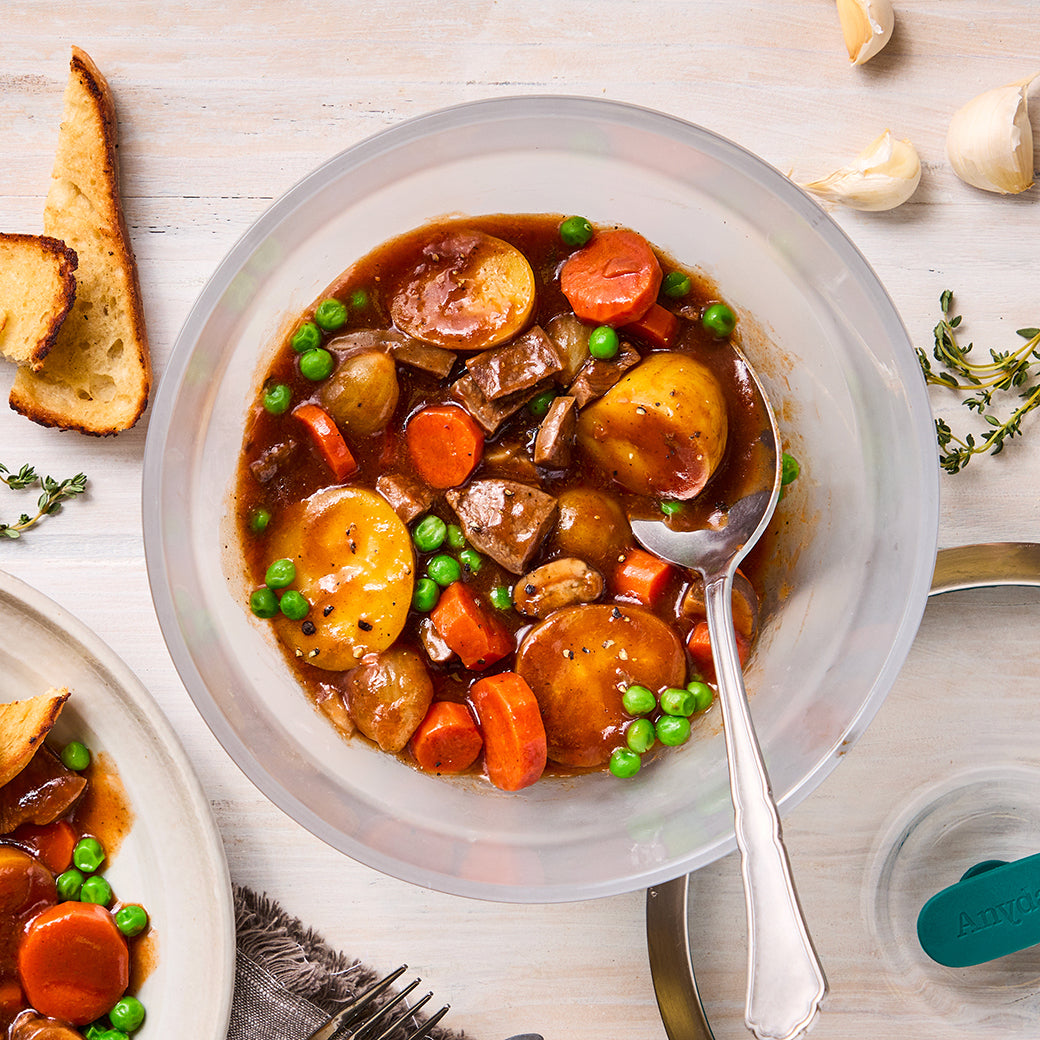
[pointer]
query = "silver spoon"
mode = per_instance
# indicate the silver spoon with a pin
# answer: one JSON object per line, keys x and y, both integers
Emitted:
{"x": 785, "y": 984}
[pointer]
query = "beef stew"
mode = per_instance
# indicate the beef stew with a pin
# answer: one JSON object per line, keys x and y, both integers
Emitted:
{"x": 442, "y": 462}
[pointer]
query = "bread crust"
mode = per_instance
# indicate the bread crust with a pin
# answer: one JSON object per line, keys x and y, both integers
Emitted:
{"x": 62, "y": 394}
{"x": 59, "y": 301}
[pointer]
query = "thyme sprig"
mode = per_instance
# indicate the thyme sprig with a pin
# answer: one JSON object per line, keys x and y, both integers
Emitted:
{"x": 53, "y": 494}
{"x": 1007, "y": 372}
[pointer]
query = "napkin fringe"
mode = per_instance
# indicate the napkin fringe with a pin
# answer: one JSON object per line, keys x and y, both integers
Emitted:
{"x": 294, "y": 954}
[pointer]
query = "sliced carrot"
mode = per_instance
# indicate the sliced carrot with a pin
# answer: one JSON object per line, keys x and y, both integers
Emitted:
{"x": 699, "y": 645}
{"x": 328, "y": 440}
{"x": 613, "y": 280}
{"x": 445, "y": 443}
{"x": 447, "y": 740}
{"x": 515, "y": 748}
{"x": 642, "y": 576}
{"x": 73, "y": 962}
{"x": 51, "y": 843}
{"x": 658, "y": 327}
{"x": 477, "y": 636}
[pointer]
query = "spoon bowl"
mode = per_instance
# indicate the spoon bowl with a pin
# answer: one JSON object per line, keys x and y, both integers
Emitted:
{"x": 785, "y": 984}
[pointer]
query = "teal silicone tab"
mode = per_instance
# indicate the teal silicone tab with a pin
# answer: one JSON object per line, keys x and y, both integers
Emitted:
{"x": 992, "y": 911}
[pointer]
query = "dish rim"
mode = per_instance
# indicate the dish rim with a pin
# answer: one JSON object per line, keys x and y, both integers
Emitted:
{"x": 470, "y": 114}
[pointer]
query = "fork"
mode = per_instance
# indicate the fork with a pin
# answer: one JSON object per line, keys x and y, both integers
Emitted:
{"x": 377, "y": 1023}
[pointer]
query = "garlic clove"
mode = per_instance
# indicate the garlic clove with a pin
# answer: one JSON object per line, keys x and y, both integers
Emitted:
{"x": 990, "y": 140}
{"x": 867, "y": 26}
{"x": 884, "y": 175}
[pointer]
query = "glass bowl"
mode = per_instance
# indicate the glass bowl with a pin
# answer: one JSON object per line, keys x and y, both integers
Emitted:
{"x": 850, "y": 555}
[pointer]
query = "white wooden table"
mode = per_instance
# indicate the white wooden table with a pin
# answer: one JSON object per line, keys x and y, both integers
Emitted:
{"x": 223, "y": 107}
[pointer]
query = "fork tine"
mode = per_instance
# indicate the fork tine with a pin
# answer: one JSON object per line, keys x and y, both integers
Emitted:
{"x": 397, "y": 1021}
{"x": 351, "y": 1010}
{"x": 374, "y": 1019}
{"x": 424, "y": 1029}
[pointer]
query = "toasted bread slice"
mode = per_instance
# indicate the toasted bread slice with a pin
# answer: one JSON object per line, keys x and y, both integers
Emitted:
{"x": 37, "y": 287}
{"x": 97, "y": 376}
{"x": 23, "y": 725}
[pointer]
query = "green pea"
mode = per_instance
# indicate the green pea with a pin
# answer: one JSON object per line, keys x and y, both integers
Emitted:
{"x": 678, "y": 700}
{"x": 429, "y": 533}
{"x": 640, "y": 735}
{"x": 671, "y": 508}
{"x": 538, "y": 406}
{"x": 88, "y": 855}
{"x": 75, "y": 756}
{"x": 673, "y": 730}
{"x": 456, "y": 539}
{"x": 425, "y": 595}
{"x": 277, "y": 398}
{"x": 719, "y": 320}
{"x": 280, "y": 574}
{"x": 624, "y": 762}
{"x": 98, "y": 1031}
{"x": 96, "y": 890}
{"x": 703, "y": 694}
{"x": 69, "y": 883}
{"x": 444, "y": 569}
{"x": 638, "y": 700}
{"x": 127, "y": 1014}
{"x": 263, "y": 603}
{"x": 471, "y": 560}
{"x": 316, "y": 365}
{"x": 131, "y": 919}
{"x": 501, "y": 597}
{"x": 294, "y": 605}
{"x": 259, "y": 520}
{"x": 790, "y": 468}
{"x": 330, "y": 315}
{"x": 675, "y": 285}
{"x": 604, "y": 343}
{"x": 306, "y": 337}
{"x": 359, "y": 299}
{"x": 575, "y": 231}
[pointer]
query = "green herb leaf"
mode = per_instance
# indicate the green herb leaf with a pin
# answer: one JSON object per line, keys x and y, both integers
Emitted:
{"x": 1005, "y": 373}
{"x": 54, "y": 493}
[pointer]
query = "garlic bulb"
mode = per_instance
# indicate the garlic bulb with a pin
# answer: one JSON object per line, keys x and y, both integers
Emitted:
{"x": 990, "y": 140}
{"x": 884, "y": 175}
{"x": 866, "y": 25}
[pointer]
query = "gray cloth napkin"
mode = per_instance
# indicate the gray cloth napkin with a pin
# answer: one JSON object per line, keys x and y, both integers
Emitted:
{"x": 287, "y": 979}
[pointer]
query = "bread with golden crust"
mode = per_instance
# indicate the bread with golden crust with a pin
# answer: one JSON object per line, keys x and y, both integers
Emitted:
{"x": 97, "y": 375}
{"x": 37, "y": 288}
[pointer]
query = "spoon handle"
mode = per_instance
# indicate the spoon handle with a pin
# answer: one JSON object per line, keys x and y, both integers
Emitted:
{"x": 785, "y": 982}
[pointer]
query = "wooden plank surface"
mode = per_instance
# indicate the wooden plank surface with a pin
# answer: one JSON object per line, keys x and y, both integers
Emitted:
{"x": 223, "y": 107}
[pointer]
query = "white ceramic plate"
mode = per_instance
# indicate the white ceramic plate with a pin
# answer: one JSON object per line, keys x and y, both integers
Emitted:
{"x": 172, "y": 862}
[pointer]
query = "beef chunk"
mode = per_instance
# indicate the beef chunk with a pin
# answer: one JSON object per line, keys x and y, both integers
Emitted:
{"x": 408, "y": 497}
{"x": 406, "y": 349}
{"x": 435, "y": 360}
{"x": 552, "y": 445}
{"x": 505, "y": 519}
{"x": 597, "y": 377}
{"x": 519, "y": 365}
{"x": 490, "y": 414}
{"x": 41, "y": 793}
{"x": 266, "y": 467}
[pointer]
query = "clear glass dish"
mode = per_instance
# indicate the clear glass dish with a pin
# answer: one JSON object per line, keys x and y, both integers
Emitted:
{"x": 852, "y": 550}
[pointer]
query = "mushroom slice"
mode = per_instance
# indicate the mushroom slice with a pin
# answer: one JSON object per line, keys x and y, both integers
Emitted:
{"x": 560, "y": 583}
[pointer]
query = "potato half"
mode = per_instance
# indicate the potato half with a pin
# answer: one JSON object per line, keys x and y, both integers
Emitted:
{"x": 661, "y": 430}
{"x": 469, "y": 291}
{"x": 354, "y": 563}
{"x": 579, "y": 662}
